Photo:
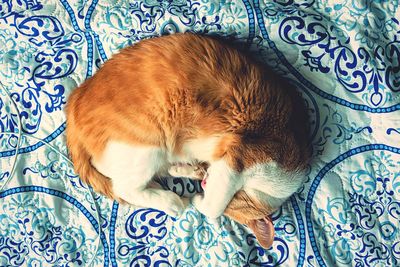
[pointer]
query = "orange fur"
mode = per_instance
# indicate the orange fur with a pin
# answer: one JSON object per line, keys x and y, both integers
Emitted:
{"x": 80, "y": 156}
{"x": 168, "y": 90}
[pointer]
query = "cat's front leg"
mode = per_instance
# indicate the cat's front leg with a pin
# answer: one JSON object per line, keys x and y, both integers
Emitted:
{"x": 222, "y": 184}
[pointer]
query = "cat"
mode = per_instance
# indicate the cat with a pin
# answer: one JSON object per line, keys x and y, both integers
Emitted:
{"x": 190, "y": 98}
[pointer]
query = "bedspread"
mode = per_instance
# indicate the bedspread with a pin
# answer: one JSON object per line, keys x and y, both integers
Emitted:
{"x": 343, "y": 55}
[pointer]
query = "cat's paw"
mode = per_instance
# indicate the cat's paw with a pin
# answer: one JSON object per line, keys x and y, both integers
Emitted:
{"x": 205, "y": 208}
{"x": 197, "y": 201}
{"x": 186, "y": 170}
{"x": 173, "y": 205}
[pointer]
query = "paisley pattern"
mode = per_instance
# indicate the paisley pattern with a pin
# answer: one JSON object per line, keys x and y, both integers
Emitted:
{"x": 342, "y": 55}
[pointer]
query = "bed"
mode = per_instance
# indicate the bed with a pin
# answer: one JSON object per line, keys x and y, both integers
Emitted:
{"x": 343, "y": 56}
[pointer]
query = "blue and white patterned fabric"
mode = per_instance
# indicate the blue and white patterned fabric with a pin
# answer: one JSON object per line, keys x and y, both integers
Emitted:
{"x": 343, "y": 55}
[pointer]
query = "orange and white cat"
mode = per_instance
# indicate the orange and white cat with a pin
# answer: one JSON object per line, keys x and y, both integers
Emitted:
{"x": 187, "y": 98}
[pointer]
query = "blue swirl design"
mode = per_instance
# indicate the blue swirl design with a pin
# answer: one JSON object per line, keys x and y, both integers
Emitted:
{"x": 34, "y": 147}
{"x": 345, "y": 54}
{"x": 346, "y": 61}
{"x": 148, "y": 13}
{"x": 333, "y": 129}
{"x": 317, "y": 181}
{"x": 146, "y": 227}
{"x": 52, "y": 63}
{"x": 389, "y": 131}
{"x": 87, "y": 33}
{"x": 50, "y": 237}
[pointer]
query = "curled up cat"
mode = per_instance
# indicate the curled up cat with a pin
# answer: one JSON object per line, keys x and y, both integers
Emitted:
{"x": 186, "y": 98}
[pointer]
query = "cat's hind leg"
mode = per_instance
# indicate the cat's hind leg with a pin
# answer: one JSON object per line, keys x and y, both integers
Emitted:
{"x": 131, "y": 168}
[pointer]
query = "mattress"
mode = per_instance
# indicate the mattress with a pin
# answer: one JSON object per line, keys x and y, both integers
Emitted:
{"x": 343, "y": 56}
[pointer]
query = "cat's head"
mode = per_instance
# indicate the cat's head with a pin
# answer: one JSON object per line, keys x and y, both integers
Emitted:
{"x": 272, "y": 168}
{"x": 266, "y": 188}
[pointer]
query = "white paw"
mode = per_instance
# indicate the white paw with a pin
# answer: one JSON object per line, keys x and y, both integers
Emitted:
{"x": 197, "y": 201}
{"x": 186, "y": 170}
{"x": 205, "y": 208}
{"x": 173, "y": 205}
{"x": 181, "y": 169}
{"x": 175, "y": 171}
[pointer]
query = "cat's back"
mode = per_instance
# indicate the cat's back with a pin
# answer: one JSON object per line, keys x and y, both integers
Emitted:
{"x": 145, "y": 92}
{"x": 168, "y": 87}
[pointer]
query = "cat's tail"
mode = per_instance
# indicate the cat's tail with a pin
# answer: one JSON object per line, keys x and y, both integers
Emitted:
{"x": 80, "y": 156}
{"x": 87, "y": 172}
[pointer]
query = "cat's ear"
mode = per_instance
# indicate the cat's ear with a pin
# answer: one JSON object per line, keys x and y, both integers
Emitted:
{"x": 264, "y": 231}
